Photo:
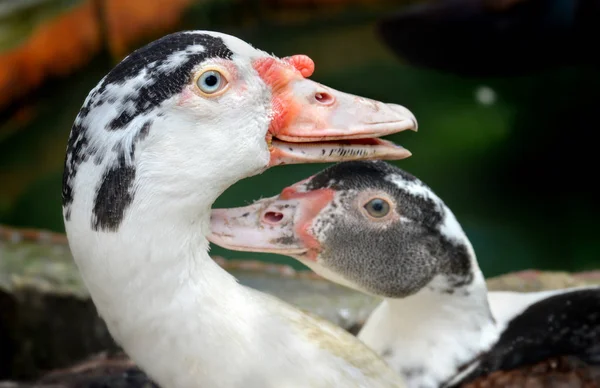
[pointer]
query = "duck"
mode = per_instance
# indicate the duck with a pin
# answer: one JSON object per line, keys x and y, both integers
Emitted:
{"x": 159, "y": 138}
{"x": 377, "y": 229}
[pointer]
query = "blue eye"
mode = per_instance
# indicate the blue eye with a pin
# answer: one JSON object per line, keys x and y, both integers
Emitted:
{"x": 377, "y": 208}
{"x": 211, "y": 82}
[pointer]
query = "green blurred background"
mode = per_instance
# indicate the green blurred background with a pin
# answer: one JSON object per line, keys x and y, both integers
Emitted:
{"x": 512, "y": 155}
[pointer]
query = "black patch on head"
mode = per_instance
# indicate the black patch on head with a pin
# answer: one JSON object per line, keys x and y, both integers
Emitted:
{"x": 113, "y": 196}
{"x": 160, "y": 85}
{"x": 163, "y": 83}
{"x": 141, "y": 135}
{"x": 79, "y": 150}
{"x": 358, "y": 175}
{"x": 115, "y": 193}
{"x": 396, "y": 261}
{"x": 561, "y": 325}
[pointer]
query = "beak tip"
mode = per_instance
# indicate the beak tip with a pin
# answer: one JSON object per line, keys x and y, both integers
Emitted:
{"x": 405, "y": 114}
{"x": 415, "y": 126}
{"x": 404, "y": 155}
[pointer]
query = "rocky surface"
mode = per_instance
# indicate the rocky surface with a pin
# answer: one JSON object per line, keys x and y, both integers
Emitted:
{"x": 48, "y": 322}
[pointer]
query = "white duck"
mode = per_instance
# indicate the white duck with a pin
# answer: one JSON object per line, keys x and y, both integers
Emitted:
{"x": 375, "y": 228}
{"x": 156, "y": 142}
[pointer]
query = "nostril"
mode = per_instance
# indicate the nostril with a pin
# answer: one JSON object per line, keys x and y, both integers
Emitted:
{"x": 273, "y": 217}
{"x": 324, "y": 98}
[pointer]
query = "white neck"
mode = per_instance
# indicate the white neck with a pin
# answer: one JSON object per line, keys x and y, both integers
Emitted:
{"x": 162, "y": 297}
{"x": 429, "y": 335}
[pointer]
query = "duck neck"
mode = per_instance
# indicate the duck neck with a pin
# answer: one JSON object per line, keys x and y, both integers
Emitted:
{"x": 164, "y": 300}
{"x": 440, "y": 328}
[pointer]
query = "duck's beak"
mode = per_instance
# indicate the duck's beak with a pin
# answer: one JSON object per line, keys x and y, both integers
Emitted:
{"x": 280, "y": 224}
{"x": 313, "y": 123}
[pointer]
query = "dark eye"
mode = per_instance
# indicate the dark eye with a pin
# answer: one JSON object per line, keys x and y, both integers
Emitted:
{"x": 211, "y": 82}
{"x": 377, "y": 208}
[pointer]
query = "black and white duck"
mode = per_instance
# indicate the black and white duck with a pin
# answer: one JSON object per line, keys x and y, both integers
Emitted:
{"x": 160, "y": 137}
{"x": 378, "y": 229}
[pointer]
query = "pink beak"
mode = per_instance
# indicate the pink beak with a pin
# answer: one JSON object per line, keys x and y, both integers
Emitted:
{"x": 279, "y": 224}
{"x": 313, "y": 123}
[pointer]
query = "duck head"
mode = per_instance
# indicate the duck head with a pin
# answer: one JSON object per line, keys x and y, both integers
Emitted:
{"x": 193, "y": 112}
{"x": 367, "y": 225}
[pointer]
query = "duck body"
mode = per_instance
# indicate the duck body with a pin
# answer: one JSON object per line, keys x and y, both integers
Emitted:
{"x": 156, "y": 142}
{"x": 443, "y": 335}
{"x": 459, "y": 348}
{"x": 561, "y": 328}
{"x": 377, "y": 229}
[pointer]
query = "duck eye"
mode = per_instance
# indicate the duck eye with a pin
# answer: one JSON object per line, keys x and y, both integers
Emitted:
{"x": 377, "y": 208}
{"x": 211, "y": 81}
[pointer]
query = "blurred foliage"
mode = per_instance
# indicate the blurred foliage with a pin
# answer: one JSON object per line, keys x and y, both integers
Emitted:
{"x": 487, "y": 146}
{"x": 18, "y": 19}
